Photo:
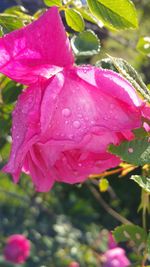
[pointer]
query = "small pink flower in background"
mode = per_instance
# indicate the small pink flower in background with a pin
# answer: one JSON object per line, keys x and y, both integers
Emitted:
{"x": 65, "y": 120}
{"x": 115, "y": 258}
{"x": 17, "y": 249}
{"x": 111, "y": 241}
{"x": 74, "y": 264}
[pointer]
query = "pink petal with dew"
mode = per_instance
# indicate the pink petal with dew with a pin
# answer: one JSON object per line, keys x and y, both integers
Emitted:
{"x": 110, "y": 83}
{"x": 81, "y": 108}
{"x": 25, "y": 129}
{"x": 41, "y": 48}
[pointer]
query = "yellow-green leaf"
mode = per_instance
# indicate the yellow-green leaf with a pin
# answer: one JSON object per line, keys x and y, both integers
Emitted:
{"x": 74, "y": 20}
{"x": 115, "y": 14}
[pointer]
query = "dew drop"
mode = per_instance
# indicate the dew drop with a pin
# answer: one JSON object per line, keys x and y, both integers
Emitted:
{"x": 66, "y": 112}
{"x": 130, "y": 150}
{"x": 76, "y": 124}
{"x": 85, "y": 70}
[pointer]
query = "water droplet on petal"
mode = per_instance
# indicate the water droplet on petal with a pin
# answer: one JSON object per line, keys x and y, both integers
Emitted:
{"x": 66, "y": 112}
{"x": 76, "y": 124}
{"x": 85, "y": 70}
{"x": 130, "y": 150}
{"x": 79, "y": 164}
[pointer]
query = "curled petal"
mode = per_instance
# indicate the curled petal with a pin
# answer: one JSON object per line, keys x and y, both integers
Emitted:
{"x": 40, "y": 48}
{"x": 80, "y": 108}
{"x": 25, "y": 129}
{"x": 110, "y": 83}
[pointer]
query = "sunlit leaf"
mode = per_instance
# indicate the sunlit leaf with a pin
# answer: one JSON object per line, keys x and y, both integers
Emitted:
{"x": 74, "y": 19}
{"x": 53, "y": 3}
{"x": 10, "y": 22}
{"x": 142, "y": 181}
{"x": 114, "y": 14}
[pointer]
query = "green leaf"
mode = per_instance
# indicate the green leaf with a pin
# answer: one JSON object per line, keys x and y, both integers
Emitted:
{"x": 85, "y": 44}
{"x": 142, "y": 181}
{"x": 106, "y": 63}
{"x": 74, "y": 19}
{"x": 11, "y": 92}
{"x": 126, "y": 70}
{"x": 143, "y": 46}
{"x": 136, "y": 152}
{"x": 115, "y": 15}
{"x": 20, "y": 12}
{"x": 53, "y": 2}
{"x": 10, "y": 22}
{"x": 86, "y": 14}
{"x": 1, "y": 31}
{"x": 133, "y": 233}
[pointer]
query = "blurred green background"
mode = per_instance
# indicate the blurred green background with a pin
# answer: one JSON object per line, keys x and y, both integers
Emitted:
{"x": 70, "y": 222}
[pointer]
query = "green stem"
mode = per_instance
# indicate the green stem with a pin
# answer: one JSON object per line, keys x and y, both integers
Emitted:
{"x": 144, "y": 201}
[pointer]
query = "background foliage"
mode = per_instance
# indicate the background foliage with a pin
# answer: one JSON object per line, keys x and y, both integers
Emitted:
{"x": 71, "y": 222}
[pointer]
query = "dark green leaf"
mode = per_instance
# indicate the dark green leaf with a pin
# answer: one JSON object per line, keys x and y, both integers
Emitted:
{"x": 142, "y": 181}
{"x": 10, "y": 92}
{"x": 74, "y": 20}
{"x": 114, "y": 14}
{"x": 143, "y": 46}
{"x": 133, "y": 233}
{"x": 53, "y": 2}
{"x": 85, "y": 44}
{"x": 136, "y": 152}
{"x": 106, "y": 63}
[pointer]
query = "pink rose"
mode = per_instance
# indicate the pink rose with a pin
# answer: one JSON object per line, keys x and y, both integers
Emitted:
{"x": 111, "y": 241}
{"x": 115, "y": 258}
{"x": 74, "y": 264}
{"x": 17, "y": 249}
{"x": 66, "y": 118}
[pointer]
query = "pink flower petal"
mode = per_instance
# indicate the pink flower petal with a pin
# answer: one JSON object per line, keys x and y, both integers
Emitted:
{"x": 66, "y": 123}
{"x": 115, "y": 258}
{"x": 40, "y": 48}
{"x": 110, "y": 83}
{"x": 25, "y": 129}
{"x": 81, "y": 108}
{"x": 17, "y": 249}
